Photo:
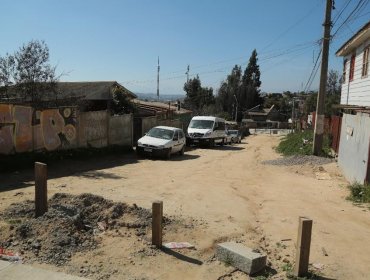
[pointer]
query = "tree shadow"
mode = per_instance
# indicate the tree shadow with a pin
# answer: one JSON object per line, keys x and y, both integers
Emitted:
{"x": 88, "y": 168}
{"x": 96, "y": 175}
{"x": 227, "y": 148}
{"x": 173, "y": 157}
{"x": 181, "y": 257}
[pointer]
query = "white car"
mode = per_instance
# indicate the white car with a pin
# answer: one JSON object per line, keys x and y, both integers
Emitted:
{"x": 162, "y": 141}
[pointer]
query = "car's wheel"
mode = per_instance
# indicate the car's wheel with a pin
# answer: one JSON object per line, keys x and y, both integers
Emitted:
{"x": 139, "y": 153}
{"x": 211, "y": 143}
{"x": 168, "y": 154}
{"x": 182, "y": 151}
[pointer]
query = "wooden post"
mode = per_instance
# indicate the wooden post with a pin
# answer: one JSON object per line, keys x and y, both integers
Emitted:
{"x": 303, "y": 247}
{"x": 41, "y": 191}
{"x": 157, "y": 214}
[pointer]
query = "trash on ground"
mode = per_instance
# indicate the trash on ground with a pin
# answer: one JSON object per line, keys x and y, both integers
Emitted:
{"x": 9, "y": 256}
{"x": 178, "y": 245}
{"x": 322, "y": 176}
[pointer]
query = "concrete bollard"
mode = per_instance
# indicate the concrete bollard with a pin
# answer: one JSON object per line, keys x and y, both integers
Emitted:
{"x": 41, "y": 190}
{"x": 157, "y": 215}
{"x": 303, "y": 247}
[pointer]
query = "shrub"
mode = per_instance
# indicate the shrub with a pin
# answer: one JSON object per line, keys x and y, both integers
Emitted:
{"x": 300, "y": 143}
{"x": 359, "y": 193}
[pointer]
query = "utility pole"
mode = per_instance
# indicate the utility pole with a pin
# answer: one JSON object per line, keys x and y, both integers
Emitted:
{"x": 293, "y": 114}
{"x": 236, "y": 108}
{"x": 187, "y": 73}
{"x": 319, "y": 122}
{"x": 158, "y": 80}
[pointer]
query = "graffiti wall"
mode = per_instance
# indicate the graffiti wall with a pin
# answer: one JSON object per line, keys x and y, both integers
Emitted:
{"x": 25, "y": 129}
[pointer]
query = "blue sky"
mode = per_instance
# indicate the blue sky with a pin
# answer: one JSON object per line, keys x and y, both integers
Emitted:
{"x": 121, "y": 39}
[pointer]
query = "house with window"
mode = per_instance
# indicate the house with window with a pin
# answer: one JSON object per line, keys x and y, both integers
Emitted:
{"x": 354, "y": 146}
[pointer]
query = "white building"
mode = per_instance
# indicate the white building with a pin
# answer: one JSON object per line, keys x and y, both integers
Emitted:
{"x": 354, "y": 146}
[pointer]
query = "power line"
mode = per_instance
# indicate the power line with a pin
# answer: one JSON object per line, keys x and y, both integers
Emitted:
{"x": 357, "y": 8}
{"x": 291, "y": 27}
{"x": 313, "y": 72}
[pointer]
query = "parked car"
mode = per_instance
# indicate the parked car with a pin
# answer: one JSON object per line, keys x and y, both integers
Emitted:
{"x": 206, "y": 130}
{"x": 162, "y": 141}
{"x": 235, "y": 135}
{"x": 228, "y": 138}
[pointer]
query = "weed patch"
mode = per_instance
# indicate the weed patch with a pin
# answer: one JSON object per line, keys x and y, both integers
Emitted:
{"x": 359, "y": 193}
{"x": 300, "y": 143}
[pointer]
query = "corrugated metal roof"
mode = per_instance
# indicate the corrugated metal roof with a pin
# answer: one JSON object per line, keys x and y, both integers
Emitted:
{"x": 87, "y": 90}
{"x": 159, "y": 106}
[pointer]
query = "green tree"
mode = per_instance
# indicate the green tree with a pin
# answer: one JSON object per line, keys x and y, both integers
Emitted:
{"x": 251, "y": 83}
{"x": 229, "y": 90}
{"x": 34, "y": 77}
{"x": 197, "y": 97}
{"x": 7, "y": 68}
{"x": 332, "y": 97}
{"x": 121, "y": 103}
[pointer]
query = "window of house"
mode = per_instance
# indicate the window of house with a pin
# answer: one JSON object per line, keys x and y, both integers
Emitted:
{"x": 352, "y": 68}
{"x": 365, "y": 62}
{"x": 344, "y": 70}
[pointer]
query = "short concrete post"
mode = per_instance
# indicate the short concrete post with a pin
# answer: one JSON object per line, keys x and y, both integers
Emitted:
{"x": 41, "y": 191}
{"x": 303, "y": 247}
{"x": 157, "y": 214}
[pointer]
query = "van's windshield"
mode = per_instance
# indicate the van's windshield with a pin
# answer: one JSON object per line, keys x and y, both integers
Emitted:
{"x": 201, "y": 124}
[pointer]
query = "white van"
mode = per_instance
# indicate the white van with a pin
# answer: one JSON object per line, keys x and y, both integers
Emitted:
{"x": 206, "y": 130}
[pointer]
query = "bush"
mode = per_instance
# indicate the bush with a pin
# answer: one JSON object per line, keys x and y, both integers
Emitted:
{"x": 359, "y": 193}
{"x": 300, "y": 143}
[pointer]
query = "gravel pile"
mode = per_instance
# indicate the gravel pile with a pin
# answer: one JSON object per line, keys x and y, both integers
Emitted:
{"x": 299, "y": 160}
{"x": 71, "y": 225}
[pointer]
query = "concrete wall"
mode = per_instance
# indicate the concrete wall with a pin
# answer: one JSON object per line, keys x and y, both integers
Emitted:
{"x": 148, "y": 123}
{"x": 356, "y": 92}
{"x": 94, "y": 129}
{"x": 354, "y": 146}
{"x": 25, "y": 129}
{"x": 120, "y": 130}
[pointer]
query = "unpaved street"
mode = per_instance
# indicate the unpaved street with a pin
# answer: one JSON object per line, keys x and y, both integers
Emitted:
{"x": 214, "y": 195}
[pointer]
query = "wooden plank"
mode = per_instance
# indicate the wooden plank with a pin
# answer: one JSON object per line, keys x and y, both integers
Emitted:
{"x": 157, "y": 215}
{"x": 41, "y": 192}
{"x": 303, "y": 247}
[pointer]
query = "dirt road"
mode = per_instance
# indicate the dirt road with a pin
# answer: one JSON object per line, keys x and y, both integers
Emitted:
{"x": 219, "y": 194}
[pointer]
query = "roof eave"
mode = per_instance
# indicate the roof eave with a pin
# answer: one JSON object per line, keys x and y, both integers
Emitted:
{"x": 360, "y": 37}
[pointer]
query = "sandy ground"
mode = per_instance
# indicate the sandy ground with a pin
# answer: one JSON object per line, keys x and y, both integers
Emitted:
{"x": 215, "y": 195}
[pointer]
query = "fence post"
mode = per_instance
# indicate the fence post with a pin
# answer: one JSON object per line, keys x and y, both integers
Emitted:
{"x": 41, "y": 191}
{"x": 157, "y": 214}
{"x": 303, "y": 247}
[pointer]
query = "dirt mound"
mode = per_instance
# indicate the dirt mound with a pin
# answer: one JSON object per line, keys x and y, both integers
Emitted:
{"x": 72, "y": 224}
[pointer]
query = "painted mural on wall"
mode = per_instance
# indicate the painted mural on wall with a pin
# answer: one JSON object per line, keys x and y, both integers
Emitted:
{"x": 24, "y": 129}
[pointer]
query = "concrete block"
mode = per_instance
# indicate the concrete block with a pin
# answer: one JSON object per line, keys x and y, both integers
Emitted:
{"x": 241, "y": 257}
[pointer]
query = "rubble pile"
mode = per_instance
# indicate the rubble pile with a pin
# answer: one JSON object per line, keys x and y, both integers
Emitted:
{"x": 72, "y": 224}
